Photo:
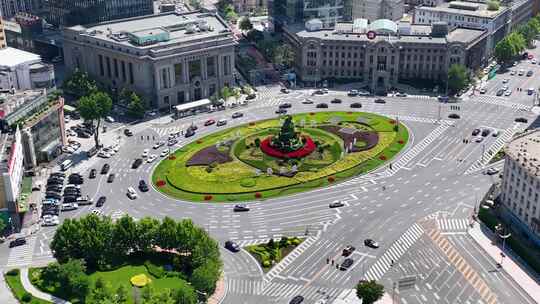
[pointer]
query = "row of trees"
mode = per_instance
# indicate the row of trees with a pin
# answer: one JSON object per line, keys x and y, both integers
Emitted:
{"x": 102, "y": 244}
{"x": 516, "y": 42}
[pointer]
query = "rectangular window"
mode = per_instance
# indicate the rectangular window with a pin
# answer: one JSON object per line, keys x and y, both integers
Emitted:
{"x": 123, "y": 66}
{"x": 108, "y": 61}
{"x": 101, "y": 71}
{"x": 211, "y": 66}
{"x": 164, "y": 79}
{"x": 194, "y": 69}
{"x": 180, "y": 97}
{"x": 131, "y": 80}
{"x": 211, "y": 90}
{"x": 178, "y": 74}
{"x": 226, "y": 65}
{"x": 115, "y": 68}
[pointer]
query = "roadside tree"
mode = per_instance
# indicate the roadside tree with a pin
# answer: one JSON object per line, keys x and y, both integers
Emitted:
{"x": 80, "y": 84}
{"x": 94, "y": 108}
{"x": 136, "y": 106}
{"x": 245, "y": 24}
{"x": 458, "y": 78}
{"x": 369, "y": 291}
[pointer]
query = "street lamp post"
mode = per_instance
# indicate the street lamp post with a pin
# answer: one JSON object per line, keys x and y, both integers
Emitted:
{"x": 500, "y": 232}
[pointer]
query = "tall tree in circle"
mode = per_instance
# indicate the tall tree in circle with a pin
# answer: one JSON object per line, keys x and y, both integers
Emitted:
{"x": 94, "y": 108}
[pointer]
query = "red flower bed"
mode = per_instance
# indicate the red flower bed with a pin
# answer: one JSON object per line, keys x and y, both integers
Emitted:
{"x": 382, "y": 157}
{"x": 172, "y": 157}
{"x": 199, "y": 141}
{"x": 160, "y": 183}
{"x": 252, "y": 124}
{"x": 401, "y": 142}
{"x": 311, "y": 113}
{"x": 208, "y": 197}
{"x": 331, "y": 179}
{"x": 349, "y": 112}
{"x": 258, "y": 195}
{"x": 393, "y": 122}
{"x": 308, "y": 147}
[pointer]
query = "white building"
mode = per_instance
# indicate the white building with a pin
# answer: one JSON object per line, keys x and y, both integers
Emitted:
{"x": 377, "y": 9}
{"x": 21, "y": 70}
{"x": 520, "y": 188}
{"x": 12, "y": 169}
{"x": 468, "y": 15}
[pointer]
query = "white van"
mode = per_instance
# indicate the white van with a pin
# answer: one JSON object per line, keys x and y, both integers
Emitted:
{"x": 221, "y": 122}
{"x": 66, "y": 164}
{"x": 131, "y": 193}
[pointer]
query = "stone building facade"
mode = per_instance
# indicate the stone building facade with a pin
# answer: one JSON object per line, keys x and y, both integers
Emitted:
{"x": 169, "y": 59}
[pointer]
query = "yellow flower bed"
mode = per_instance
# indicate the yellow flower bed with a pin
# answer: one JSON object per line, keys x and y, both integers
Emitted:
{"x": 140, "y": 280}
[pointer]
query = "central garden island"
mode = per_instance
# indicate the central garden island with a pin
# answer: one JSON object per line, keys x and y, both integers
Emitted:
{"x": 281, "y": 156}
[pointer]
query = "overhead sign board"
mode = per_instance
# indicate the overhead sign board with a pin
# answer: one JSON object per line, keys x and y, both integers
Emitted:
{"x": 371, "y": 35}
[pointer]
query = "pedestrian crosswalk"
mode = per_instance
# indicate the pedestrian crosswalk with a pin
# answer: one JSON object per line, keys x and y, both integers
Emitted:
{"x": 453, "y": 224}
{"x": 278, "y": 290}
{"x": 394, "y": 253}
{"x": 22, "y": 255}
{"x": 495, "y": 147}
{"x": 245, "y": 286}
{"x": 500, "y": 101}
{"x": 289, "y": 258}
{"x": 118, "y": 214}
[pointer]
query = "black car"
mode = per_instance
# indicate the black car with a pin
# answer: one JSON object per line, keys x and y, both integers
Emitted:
{"x": 232, "y": 246}
{"x": 297, "y": 300}
{"x": 284, "y": 90}
{"x": 69, "y": 191}
{"x": 193, "y": 127}
{"x": 189, "y": 133}
{"x": 53, "y": 193}
{"x": 346, "y": 264}
{"x": 137, "y": 163}
{"x": 237, "y": 115}
{"x": 285, "y": 105}
{"x": 475, "y": 132}
{"x": 251, "y": 96}
{"x": 348, "y": 250}
{"x": 529, "y": 73}
{"x": 76, "y": 180}
{"x": 101, "y": 201}
{"x": 322, "y": 105}
{"x": 53, "y": 196}
{"x": 54, "y": 189}
{"x": 336, "y": 204}
{"x": 486, "y": 132}
{"x": 75, "y": 175}
{"x": 71, "y": 198}
{"x": 143, "y": 186}
{"x": 500, "y": 92}
{"x": 336, "y": 100}
{"x": 110, "y": 179}
{"x": 93, "y": 173}
{"x": 105, "y": 169}
{"x": 454, "y": 116}
{"x": 17, "y": 242}
{"x": 371, "y": 243}
{"x": 281, "y": 111}
{"x": 128, "y": 132}
{"x": 240, "y": 208}
{"x": 521, "y": 119}
{"x": 58, "y": 174}
{"x": 356, "y": 105}
{"x": 380, "y": 100}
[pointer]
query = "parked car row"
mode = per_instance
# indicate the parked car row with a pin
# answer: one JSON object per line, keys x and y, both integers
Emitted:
{"x": 71, "y": 147}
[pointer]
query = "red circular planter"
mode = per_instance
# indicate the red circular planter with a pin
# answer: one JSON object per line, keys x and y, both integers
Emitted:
{"x": 160, "y": 183}
{"x": 382, "y": 157}
{"x": 258, "y": 195}
{"x": 308, "y": 147}
{"x": 401, "y": 142}
{"x": 392, "y": 122}
{"x": 331, "y": 179}
{"x": 208, "y": 197}
{"x": 311, "y": 113}
{"x": 172, "y": 157}
{"x": 199, "y": 141}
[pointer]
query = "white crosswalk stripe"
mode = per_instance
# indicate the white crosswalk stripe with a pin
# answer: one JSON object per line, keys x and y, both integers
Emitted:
{"x": 500, "y": 101}
{"x": 453, "y": 224}
{"x": 118, "y": 214}
{"x": 495, "y": 147}
{"x": 245, "y": 286}
{"x": 22, "y": 255}
{"x": 394, "y": 253}
{"x": 289, "y": 258}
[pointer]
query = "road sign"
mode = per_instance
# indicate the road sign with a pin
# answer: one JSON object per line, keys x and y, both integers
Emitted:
{"x": 371, "y": 35}
{"x": 406, "y": 282}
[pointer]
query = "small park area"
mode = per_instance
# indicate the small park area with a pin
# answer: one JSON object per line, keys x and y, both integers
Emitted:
{"x": 283, "y": 156}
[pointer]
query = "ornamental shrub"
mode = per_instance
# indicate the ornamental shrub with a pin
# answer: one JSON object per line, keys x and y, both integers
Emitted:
{"x": 209, "y": 169}
{"x": 13, "y": 272}
{"x": 266, "y": 263}
{"x": 156, "y": 271}
{"x": 296, "y": 241}
{"x": 26, "y": 297}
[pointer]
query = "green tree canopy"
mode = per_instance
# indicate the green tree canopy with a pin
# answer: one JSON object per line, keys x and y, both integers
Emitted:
{"x": 204, "y": 278}
{"x": 94, "y": 108}
{"x": 184, "y": 294}
{"x": 458, "y": 78}
{"x": 528, "y": 32}
{"x": 503, "y": 51}
{"x": 80, "y": 84}
{"x": 136, "y": 106}
{"x": 283, "y": 54}
{"x": 517, "y": 42}
{"x": 3, "y": 225}
{"x": 369, "y": 291}
{"x": 255, "y": 35}
{"x": 71, "y": 276}
{"x": 493, "y": 5}
{"x": 245, "y": 24}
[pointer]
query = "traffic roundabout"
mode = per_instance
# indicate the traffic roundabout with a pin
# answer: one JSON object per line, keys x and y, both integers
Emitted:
{"x": 280, "y": 156}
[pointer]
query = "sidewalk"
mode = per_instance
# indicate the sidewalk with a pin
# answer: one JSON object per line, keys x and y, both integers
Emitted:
{"x": 6, "y": 296}
{"x": 219, "y": 293}
{"x": 37, "y": 293}
{"x": 483, "y": 237}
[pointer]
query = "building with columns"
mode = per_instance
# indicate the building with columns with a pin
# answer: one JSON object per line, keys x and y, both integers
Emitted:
{"x": 169, "y": 59}
{"x": 3, "y": 42}
{"x": 395, "y": 52}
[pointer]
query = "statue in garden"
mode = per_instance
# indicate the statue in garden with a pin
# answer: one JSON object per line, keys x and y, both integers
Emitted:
{"x": 287, "y": 139}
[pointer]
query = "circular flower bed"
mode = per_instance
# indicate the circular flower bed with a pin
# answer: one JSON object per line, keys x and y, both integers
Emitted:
{"x": 331, "y": 179}
{"x": 208, "y": 197}
{"x": 160, "y": 183}
{"x": 258, "y": 195}
{"x": 401, "y": 142}
{"x": 308, "y": 147}
{"x": 199, "y": 141}
{"x": 382, "y": 157}
{"x": 140, "y": 280}
{"x": 393, "y": 122}
{"x": 172, "y": 157}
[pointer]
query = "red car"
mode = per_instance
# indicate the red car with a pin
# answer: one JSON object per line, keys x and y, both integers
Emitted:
{"x": 209, "y": 122}
{"x": 530, "y": 56}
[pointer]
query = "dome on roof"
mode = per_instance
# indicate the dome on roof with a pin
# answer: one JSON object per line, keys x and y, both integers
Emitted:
{"x": 383, "y": 26}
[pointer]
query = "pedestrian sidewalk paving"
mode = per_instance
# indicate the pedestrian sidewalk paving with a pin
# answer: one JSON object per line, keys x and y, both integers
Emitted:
{"x": 394, "y": 253}
{"x": 495, "y": 147}
{"x": 6, "y": 296}
{"x": 22, "y": 255}
{"x": 453, "y": 224}
{"x": 484, "y": 238}
{"x": 499, "y": 101}
{"x": 289, "y": 258}
{"x": 38, "y": 293}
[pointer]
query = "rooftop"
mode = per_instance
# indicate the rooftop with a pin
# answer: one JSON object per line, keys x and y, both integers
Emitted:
{"x": 464, "y": 35}
{"x": 11, "y": 57}
{"x": 11, "y": 102}
{"x": 525, "y": 149}
{"x": 465, "y": 8}
{"x": 157, "y": 30}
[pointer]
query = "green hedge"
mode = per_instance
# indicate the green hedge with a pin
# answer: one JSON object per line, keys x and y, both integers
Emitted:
{"x": 156, "y": 271}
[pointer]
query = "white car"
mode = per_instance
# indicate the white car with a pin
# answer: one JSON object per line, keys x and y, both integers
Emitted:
{"x": 97, "y": 212}
{"x": 109, "y": 119}
{"x": 50, "y": 220}
{"x": 145, "y": 153}
{"x": 321, "y": 301}
{"x": 505, "y": 80}
{"x": 104, "y": 154}
{"x": 164, "y": 153}
{"x": 67, "y": 149}
{"x": 492, "y": 171}
{"x": 308, "y": 101}
{"x": 512, "y": 73}
{"x": 69, "y": 206}
{"x": 131, "y": 193}
{"x": 159, "y": 144}
{"x": 151, "y": 158}
{"x": 116, "y": 148}
{"x": 363, "y": 93}
{"x": 521, "y": 72}
{"x": 533, "y": 61}
{"x": 507, "y": 93}
{"x": 479, "y": 139}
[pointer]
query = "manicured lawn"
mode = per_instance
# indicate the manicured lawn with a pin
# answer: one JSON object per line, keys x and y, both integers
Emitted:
{"x": 115, "y": 278}
{"x": 238, "y": 181}
{"x": 268, "y": 257}
{"x": 14, "y": 283}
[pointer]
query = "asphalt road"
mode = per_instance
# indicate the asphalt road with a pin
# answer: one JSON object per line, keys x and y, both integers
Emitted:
{"x": 436, "y": 179}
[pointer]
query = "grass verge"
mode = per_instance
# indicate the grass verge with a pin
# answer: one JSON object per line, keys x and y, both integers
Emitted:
{"x": 13, "y": 279}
